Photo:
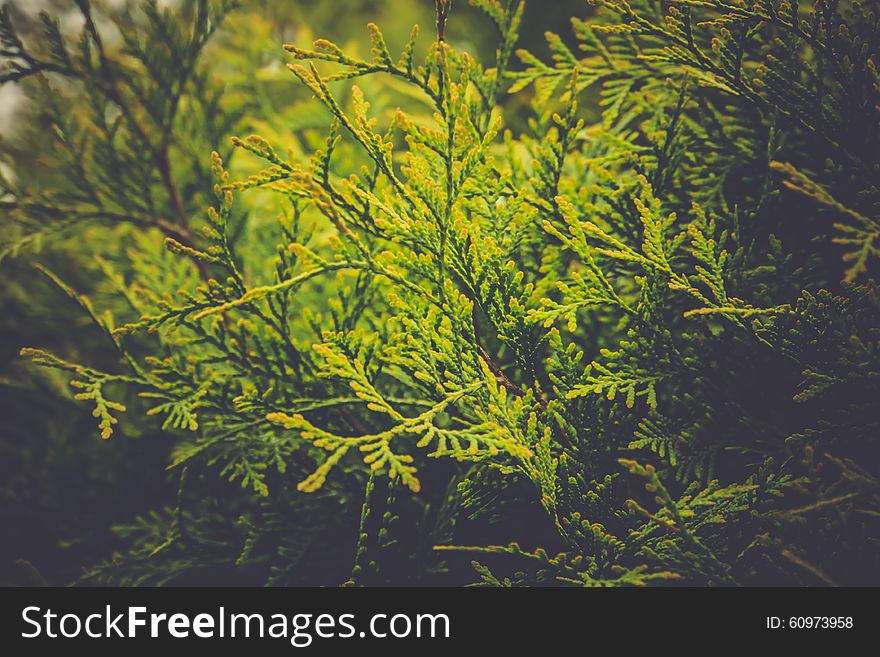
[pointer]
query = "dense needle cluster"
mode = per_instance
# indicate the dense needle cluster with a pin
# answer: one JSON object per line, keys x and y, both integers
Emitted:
{"x": 604, "y": 316}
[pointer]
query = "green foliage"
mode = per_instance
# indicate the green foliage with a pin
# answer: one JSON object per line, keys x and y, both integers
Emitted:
{"x": 642, "y": 318}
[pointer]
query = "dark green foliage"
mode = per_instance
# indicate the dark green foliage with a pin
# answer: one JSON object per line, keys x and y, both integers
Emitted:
{"x": 632, "y": 338}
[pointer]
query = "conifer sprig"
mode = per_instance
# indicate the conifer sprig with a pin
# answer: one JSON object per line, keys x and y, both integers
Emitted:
{"x": 645, "y": 315}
